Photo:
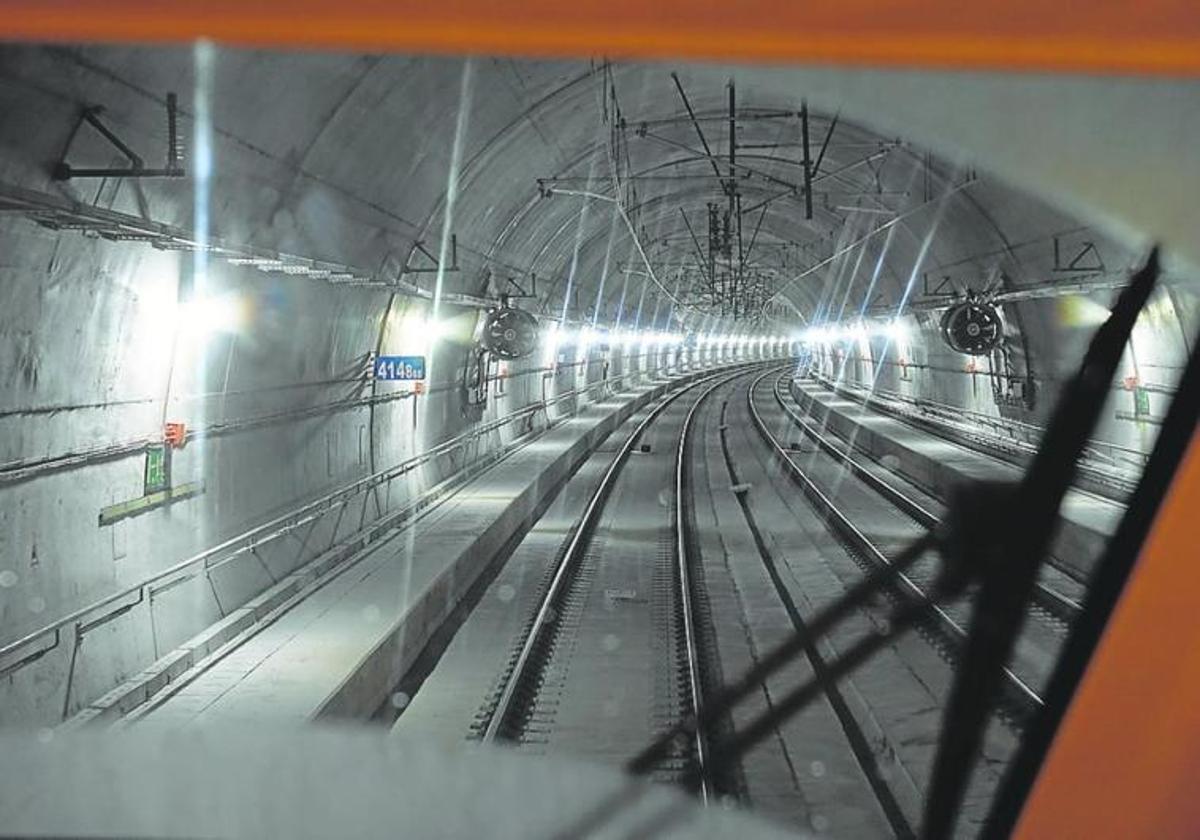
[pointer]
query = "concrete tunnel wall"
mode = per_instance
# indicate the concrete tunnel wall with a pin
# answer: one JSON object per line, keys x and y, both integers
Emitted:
{"x": 348, "y": 158}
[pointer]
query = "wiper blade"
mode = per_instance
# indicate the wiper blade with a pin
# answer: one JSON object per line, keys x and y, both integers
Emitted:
{"x": 1000, "y": 534}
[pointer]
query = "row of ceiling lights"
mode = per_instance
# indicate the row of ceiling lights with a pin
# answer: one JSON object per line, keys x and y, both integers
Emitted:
{"x": 556, "y": 335}
{"x": 894, "y": 329}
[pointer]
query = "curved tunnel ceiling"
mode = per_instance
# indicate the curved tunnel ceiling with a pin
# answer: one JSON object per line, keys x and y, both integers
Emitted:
{"x": 350, "y": 158}
{"x": 598, "y": 134}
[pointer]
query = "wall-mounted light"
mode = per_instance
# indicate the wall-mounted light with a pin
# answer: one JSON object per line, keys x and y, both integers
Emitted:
{"x": 550, "y": 342}
{"x": 221, "y": 313}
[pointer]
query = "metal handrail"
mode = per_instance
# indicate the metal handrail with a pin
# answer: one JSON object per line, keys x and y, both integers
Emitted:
{"x": 837, "y": 520}
{"x": 936, "y": 408}
{"x": 283, "y": 524}
{"x": 1054, "y": 602}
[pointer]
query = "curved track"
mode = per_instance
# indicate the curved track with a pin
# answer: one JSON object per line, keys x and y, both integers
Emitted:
{"x": 679, "y": 555}
{"x": 569, "y": 609}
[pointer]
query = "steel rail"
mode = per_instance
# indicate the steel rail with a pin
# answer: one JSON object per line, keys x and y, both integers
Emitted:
{"x": 547, "y": 609}
{"x": 692, "y": 646}
{"x": 1022, "y": 694}
{"x": 1053, "y": 602}
{"x": 507, "y": 703}
{"x": 857, "y": 739}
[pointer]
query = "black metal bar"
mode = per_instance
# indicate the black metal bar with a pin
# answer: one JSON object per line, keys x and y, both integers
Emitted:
{"x": 420, "y": 246}
{"x": 81, "y": 628}
{"x": 66, "y": 172}
{"x": 808, "y": 203}
{"x": 768, "y": 200}
{"x": 1009, "y": 529}
{"x": 1107, "y": 584}
{"x": 90, "y": 116}
{"x": 63, "y": 171}
{"x": 757, "y": 173}
{"x": 753, "y": 236}
{"x": 747, "y": 114}
{"x": 732, "y": 133}
{"x": 695, "y": 123}
{"x": 172, "y": 133}
{"x": 29, "y": 659}
{"x": 825, "y": 145}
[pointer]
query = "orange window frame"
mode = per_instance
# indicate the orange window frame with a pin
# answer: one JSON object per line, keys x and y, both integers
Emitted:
{"x": 1121, "y": 36}
{"x": 1129, "y": 746}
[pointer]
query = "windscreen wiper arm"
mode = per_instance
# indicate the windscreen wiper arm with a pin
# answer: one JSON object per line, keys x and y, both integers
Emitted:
{"x": 1000, "y": 534}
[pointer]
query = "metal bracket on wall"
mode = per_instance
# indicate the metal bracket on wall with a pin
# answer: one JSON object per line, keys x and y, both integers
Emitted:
{"x": 522, "y": 293}
{"x": 944, "y": 288}
{"x": 419, "y": 245}
{"x": 123, "y": 510}
{"x": 1087, "y": 259}
{"x": 63, "y": 171}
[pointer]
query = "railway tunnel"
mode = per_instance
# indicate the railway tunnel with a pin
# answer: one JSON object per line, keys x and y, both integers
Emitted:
{"x": 534, "y": 402}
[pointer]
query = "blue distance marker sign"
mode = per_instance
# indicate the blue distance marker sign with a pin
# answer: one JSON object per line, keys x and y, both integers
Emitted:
{"x": 400, "y": 368}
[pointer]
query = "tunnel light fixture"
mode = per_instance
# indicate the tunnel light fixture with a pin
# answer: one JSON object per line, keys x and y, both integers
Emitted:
{"x": 221, "y": 313}
{"x": 420, "y": 332}
{"x": 420, "y": 324}
{"x": 895, "y": 329}
{"x": 550, "y": 342}
{"x": 1080, "y": 311}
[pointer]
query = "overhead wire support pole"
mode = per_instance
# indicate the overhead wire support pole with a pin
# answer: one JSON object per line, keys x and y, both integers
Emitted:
{"x": 808, "y": 168}
{"x": 732, "y": 135}
{"x": 735, "y": 210}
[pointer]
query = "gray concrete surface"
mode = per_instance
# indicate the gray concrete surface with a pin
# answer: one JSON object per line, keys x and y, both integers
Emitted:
{"x": 938, "y": 465}
{"x": 339, "y": 652}
{"x": 322, "y": 783}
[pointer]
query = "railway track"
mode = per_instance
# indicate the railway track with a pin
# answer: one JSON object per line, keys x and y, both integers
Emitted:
{"x": 1052, "y": 602}
{"x": 858, "y": 739}
{"x": 1019, "y": 701}
{"x": 562, "y": 609}
{"x": 594, "y": 584}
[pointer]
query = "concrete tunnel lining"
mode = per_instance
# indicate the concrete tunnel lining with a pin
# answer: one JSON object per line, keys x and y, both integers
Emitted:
{"x": 346, "y": 158}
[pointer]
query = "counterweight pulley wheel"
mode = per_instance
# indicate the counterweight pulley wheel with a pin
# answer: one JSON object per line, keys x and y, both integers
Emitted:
{"x": 972, "y": 327}
{"x": 510, "y": 333}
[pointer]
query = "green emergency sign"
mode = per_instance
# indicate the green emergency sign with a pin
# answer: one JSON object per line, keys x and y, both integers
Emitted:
{"x": 158, "y": 471}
